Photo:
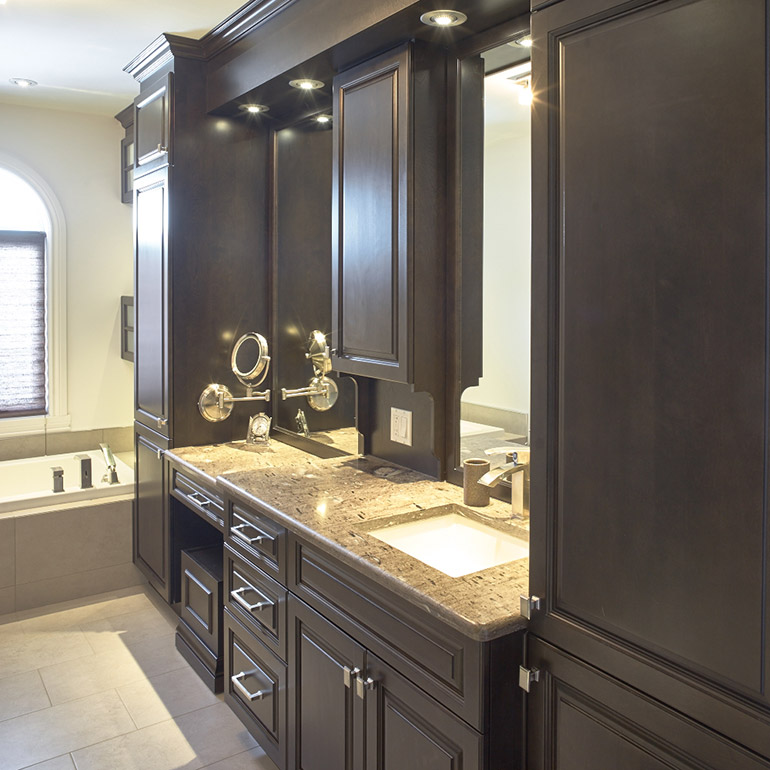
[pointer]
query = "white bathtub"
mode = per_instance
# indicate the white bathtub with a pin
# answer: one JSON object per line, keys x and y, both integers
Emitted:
{"x": 28, "y": 483}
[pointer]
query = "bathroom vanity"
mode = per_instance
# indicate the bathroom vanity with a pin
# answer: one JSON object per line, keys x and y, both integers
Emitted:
{"x": 335, "y": 644}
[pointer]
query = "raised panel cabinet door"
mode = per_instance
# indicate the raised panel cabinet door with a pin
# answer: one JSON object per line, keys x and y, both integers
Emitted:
{"x": 371, "y": 264}
{"x": 325, "y": 716}
{"x": 582, "y": 719}
{"x": 405, "y": 728}
{"x": 151, "y": 303}
{"x": 151, "y": 521}
{"x": 152, "y": 124}
{"x": 650, "y": 280}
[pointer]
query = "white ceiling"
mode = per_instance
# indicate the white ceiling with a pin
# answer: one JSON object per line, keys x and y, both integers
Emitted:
{"x": 76, "y": 49}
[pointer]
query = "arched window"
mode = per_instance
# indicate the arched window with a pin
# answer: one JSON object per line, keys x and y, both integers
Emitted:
{"x": 32, "y": 313}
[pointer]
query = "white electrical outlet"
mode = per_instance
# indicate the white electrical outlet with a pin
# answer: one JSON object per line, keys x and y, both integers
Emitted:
{"x": 401, "y": 426}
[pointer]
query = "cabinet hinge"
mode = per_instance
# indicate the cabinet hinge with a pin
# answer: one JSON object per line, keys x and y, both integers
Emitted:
{"x": 527, "y": 677}
{"x": 528, "y": 604}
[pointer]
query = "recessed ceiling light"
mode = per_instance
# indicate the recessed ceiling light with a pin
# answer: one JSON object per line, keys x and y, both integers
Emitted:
{"x": 524, "y": 42}
{"x": 323, "y": 119}
{"x": 444, "y": 18}
{"x": 23, "y": 82}
{"x": 253, "y": 108}
{"x": 306, "y": 84}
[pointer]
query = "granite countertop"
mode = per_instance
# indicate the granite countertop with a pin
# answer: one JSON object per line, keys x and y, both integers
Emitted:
{"x": 332, "y": 502}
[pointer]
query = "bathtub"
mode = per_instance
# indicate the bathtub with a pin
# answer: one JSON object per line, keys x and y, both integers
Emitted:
{"x": 26, "y": 484}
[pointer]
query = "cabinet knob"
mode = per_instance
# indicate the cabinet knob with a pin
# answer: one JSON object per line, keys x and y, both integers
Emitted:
{"x": 162, "y": 422}
{"x": 161, "y": 148}
{"x": 159, "y": 453}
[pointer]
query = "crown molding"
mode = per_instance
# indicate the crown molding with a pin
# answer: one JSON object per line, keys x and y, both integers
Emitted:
{"x": 240, "y": 24}
{"x": 160, "y": 52}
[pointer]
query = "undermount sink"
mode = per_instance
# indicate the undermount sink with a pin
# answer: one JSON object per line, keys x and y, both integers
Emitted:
{"x": 451, "y": 541}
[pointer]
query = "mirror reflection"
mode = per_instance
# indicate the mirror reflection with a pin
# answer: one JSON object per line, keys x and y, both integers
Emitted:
{"x": 494, "y": 415}
{"x": 301, "y": 260}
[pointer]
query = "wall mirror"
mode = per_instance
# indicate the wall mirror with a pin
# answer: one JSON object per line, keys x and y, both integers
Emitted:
{"x": 490, "y": 407}
{"x": 301, "y": 195}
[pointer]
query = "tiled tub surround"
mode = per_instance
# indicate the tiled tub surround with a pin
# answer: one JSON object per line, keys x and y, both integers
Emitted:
{"x": 56, "y": 554}
{"x": 59, "y": 442}
{"x": 330, "y": 503}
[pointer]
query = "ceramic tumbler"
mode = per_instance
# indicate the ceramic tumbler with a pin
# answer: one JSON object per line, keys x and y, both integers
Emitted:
{"x": 473, "y": 492}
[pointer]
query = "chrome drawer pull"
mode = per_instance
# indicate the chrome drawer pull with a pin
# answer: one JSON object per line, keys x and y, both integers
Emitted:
{"x": 236, "y": 530}
{"x": 252, "y": 696}
{"x": 198, "y": 498}
{"x": 364, "y": 684}
{"x": 348, "y": 674}
{"x": 237, "y": 597}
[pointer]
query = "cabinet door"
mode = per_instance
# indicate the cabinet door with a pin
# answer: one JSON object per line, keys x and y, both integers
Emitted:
{"x": 582, "y": 719}
{"x": 152, "y": 125}
{"x": 325, "y": 716}
{"x": 151, "y": 302}
{"x": 650, "y": 276}
{"x": 371, "y": 264}
{"x": 405, "y": 728}
{"x": 151, "y": 520}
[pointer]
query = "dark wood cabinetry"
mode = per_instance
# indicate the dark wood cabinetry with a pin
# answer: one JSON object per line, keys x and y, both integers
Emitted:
{"x": 151, "y": 308}
{"x": 388, "y": 216}
{"x": 199, "y": 633}
{"x": 151, "y": 518}
{"x": 649, "y": 475}
{"x": 582, "y": 719}
{"x": 153, "y": 112}
{"x": 326, "y": 717}
{"x": 371, "y": 680}
{"x": 126, "y": 119}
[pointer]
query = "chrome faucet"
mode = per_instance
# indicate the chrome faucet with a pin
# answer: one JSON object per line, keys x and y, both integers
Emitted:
{"x": 85, "y": 470}
{"x": 111, "y": 476}
{"x": 518, "y": 474}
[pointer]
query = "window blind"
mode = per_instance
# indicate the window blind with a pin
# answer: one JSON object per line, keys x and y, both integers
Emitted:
{"x": 22, "y": 324}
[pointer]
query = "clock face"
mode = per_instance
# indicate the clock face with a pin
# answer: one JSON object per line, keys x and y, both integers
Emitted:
{"x": 259, "y": 428}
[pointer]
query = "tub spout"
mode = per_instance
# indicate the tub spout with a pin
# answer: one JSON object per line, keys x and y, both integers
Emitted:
{"x": 111, "y": 477}
{"x": 85, "y": 471}
{"x": 58, "y": 478}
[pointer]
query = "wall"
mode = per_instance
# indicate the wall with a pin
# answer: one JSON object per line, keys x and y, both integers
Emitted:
{"x": 507, "y": 279}
{"x": 78, "y": 156}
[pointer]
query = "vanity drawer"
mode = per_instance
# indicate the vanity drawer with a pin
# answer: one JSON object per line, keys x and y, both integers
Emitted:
{"x": 258, "y": 601}
{"x": 435, "y": 656}
{"x": 257, "y": 539}
{"x": 201, "y": 499}
{"x": 199, "y": 633}
{"x": 255, "y": 688}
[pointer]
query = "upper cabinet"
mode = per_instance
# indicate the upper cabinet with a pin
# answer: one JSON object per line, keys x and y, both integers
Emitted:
{"x": 126, "y": 119}
{"x": 152, "y": 126}
{"x": 388, "y": 216}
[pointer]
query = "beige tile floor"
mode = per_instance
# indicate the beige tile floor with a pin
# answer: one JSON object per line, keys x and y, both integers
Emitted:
{"x": 96, "y": 684}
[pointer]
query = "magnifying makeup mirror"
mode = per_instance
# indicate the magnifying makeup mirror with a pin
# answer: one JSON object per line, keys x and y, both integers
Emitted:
{"x": 249, "y": 362}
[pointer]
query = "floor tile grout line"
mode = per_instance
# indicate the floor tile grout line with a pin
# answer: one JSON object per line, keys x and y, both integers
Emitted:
{"x": 128, "y": 711}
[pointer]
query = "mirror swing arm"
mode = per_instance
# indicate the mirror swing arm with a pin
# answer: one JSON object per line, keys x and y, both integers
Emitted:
{"x": 216, "y": 401}
{"x": 321, "y": 392}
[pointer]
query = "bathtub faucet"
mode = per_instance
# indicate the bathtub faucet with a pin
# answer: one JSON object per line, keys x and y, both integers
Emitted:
{"x": 58, "y": 478}
{"x": 111, "y": 477}
{"x": 85, "y": 471}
